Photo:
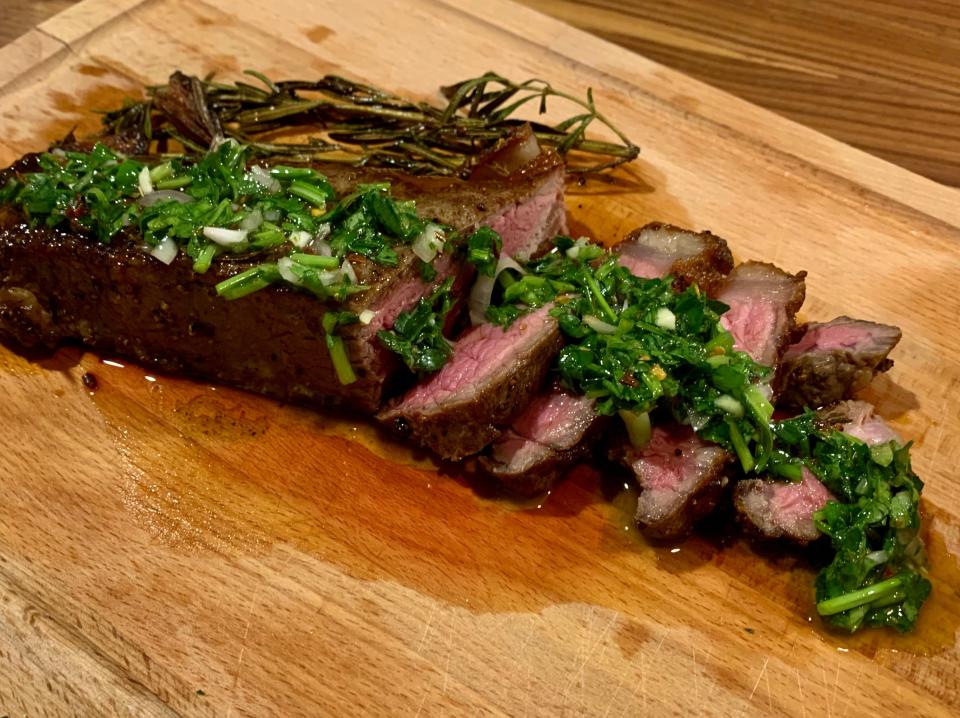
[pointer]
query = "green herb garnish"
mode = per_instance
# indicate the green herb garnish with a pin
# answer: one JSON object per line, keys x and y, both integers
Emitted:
{"x": 367, "y": 125}
{"x": 877, "y": 575}
{"x": 417, "y": 335}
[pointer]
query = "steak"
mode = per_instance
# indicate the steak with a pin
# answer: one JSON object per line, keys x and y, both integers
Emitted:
{"x": 557, "y": 429}
{"x": 780, "y": 509}
{"x": 491, "y": 376}
{"x": 58, "y": 285}
{"x": 833, "y": 360}
{"x": 857, "y": 418}
{"x": 681, "y": 479}
{"x": 763, "y": 301}
{"x": 657, "y": 250}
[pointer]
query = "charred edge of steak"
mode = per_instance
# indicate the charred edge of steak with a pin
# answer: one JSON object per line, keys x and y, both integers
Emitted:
{"x": 545, "y": 465}
{"x": 658, "y": 249}
{"x": 775, "y": 510}
{"x": 681, "y": 480}
{"x": 121, "y": 301}
{"x": 465, "y": 421}
{"x": 834, "y": 360}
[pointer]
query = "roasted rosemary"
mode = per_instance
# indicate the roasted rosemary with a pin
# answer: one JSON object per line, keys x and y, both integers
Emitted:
{"x": 353, "y": 122}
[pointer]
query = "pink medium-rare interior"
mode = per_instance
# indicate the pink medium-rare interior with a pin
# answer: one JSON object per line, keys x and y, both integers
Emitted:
{"x": 525, "y": 227}
{"x": 484, "y": 351}
{"x": 666, "y": 477}
{"x": 793, "y": 504}
{"x": 556, "y": 419}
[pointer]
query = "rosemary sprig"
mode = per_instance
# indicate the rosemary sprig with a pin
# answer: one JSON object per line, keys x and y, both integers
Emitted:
{"x": 354, "y": 122}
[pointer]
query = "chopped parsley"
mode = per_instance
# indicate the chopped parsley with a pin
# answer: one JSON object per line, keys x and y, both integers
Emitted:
{"x": 636, "y": 345}
{"x": 878, "y": 573}
{"x": 417, "y": 335}
{"x": 219, "y": 204}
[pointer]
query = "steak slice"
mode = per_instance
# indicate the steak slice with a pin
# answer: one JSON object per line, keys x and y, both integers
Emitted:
{"x": 557, "y": 429}
{"x": 58, "y": 285}
{"x": 657, "y": 250}
{"x": 528, "y": 457}
{"x": 780, "y": 509}
{"x": 763, "y": 301}
{"x": 493, "y": 374}
{"x": 681, "y": 479}
{"x": 833, "y": 360}
{"x": 857, "y": 418}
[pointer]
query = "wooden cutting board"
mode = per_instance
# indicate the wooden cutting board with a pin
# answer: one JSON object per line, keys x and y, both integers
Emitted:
{"x": 171, "y": 548}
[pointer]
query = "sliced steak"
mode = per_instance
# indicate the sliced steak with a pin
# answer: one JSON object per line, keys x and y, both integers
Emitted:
{"x": 658, "y": 250}
{"x": 857, "y": 418}
{"x": 833, "y": 360}
{"x": 781, "y": 509}
{"x": 492, "y": 375}
{"x": 763, "y": 301}
{"x": 528, "y": 458}
{"x": 557, "y": 429}
{"x": 57, "y": 285}
{"x": 681, "y": 478}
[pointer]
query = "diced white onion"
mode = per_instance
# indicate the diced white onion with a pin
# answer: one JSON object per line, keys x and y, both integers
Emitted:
{"x": 252, "y": 220}
{"x": 729, "y": 405}
{"x": 329, "y": 278}
{"x": 321, "y": 248}
{"x": 263, "y": 178}
{"x": 323, "y": 231}
{"x": 165, "y": 251}
{"x": 697, "y": 421}
{"x": 366, "y": 316}
{"x": 143, "y": 179}
{"x": 224, "y": 236}
{"x": 666, "y": 319}
{"x": 300, "y": 238}
{"x": 285, "y": 265}
{"x": 348, "y": 272}
{"x": 482, "y": 290}
{"x": 574, "y": 251}
{"x": 598, "y": 325}
{"x": 58, "y": 151}
{"x": 272, "y": 215}
{"x": 429, "y": 243}
{"x": 878, "y": 556}
{"x": 164, "y": 195}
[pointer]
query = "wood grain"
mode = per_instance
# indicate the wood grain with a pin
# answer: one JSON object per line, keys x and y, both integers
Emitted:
{"x": 170, "y": 548}
{"x": 881, "y": 75}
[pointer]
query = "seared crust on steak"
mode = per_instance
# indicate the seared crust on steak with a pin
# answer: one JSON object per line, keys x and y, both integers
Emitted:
{"x": 833, "y": 360}
{"x": 658, "y": 250}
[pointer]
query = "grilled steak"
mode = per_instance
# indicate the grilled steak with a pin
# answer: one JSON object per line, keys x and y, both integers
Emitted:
{"x": 492, "y": 375}
{"x": 681, "y": 478}
{"x": 57, "y": 285}
{"x": 528, "y": 457}
{"x": 777, "y": 509}
{"x": 780, "y": 509}
{"x": 833, "y": 360}
{"x": 556, "y": 430}
{"x": 763, "y": 302}
{"x": 658, "y": 250}
{"x": 857, "y": 418}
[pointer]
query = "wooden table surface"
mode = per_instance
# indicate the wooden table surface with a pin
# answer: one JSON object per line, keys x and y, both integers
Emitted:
{"x": 881, "y": 75}
{"x": 171, "y": 549}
